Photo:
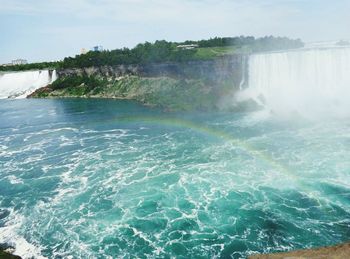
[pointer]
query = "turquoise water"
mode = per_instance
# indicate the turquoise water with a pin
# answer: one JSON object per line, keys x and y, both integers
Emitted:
{"x": 113, "y": 179}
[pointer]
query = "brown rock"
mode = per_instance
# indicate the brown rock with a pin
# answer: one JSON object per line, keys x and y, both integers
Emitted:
{"x": 341, "y": 251}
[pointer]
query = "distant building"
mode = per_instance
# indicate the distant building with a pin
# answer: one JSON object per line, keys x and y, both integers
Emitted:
{"x": 97, "y": 48}
{"x": 6, "y": 64}
{"x": 83, "y": 51}
{"x": 19, "y": 61}
{"x": 188, "y": 46}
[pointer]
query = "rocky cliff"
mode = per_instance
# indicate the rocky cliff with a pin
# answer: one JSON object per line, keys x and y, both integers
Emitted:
{"x": 176, "y": 86}
{"x": 215, "y": 70}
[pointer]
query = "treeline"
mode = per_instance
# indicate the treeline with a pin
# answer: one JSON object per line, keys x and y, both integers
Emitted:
{"x": 160, "y": 51}
{"x": 31, "y": 66}
{"x": 164, "y": 51}
{"x": 267, "y": 43}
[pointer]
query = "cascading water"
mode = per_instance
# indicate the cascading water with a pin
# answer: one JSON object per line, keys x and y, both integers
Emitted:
{"x": 21, "y": 84}
{"x": 307, "y": 81}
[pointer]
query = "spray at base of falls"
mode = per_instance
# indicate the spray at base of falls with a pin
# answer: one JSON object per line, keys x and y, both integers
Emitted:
{"x": 21, "y": 84}
{"x": 308, "y": 82}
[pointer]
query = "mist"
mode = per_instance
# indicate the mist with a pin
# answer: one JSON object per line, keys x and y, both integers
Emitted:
{"x": 312, "y": 82}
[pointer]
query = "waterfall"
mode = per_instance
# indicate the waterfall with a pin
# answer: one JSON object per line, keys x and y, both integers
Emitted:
{"x": 305, "y": 81}
{"x": 243, "y": 73}
{"x": 21, "y": 84}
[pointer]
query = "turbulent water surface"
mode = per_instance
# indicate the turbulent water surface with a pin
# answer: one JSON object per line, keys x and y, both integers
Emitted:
{"x": 98, "y": 178}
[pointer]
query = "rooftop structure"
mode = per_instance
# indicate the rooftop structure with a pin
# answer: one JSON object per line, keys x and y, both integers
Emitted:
{"x": 188, "y": 46}
{"x": 97, "y": 48}
{"x": 6, "y": 64}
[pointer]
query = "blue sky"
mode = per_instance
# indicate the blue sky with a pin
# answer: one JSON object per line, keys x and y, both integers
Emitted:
{"x": 40, "y": 30}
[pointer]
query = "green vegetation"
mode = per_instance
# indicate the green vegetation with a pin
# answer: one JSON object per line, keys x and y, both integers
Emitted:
{"x": 163, "y": 51}
{"x": 90, "y": 82}
{"x": 168, "y": 93}
{"x": 213, "y": 52}
{"x": 31, "y": 66}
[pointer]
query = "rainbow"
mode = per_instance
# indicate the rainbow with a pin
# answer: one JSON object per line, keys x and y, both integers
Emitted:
{"x": 216, "y": 133}
{"x": 244, "y": 146}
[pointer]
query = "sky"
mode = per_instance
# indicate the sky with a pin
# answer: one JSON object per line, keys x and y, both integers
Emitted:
{"x": 47, "y": 30}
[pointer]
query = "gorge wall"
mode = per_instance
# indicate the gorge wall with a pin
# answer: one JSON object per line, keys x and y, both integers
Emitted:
{"x": 215, "y": 70}
{"x": 192, "y": 85}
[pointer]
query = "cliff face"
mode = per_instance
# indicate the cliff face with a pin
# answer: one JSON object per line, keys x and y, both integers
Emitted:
{"x": 227, "y": 68}
{"x": 193, "y": 85}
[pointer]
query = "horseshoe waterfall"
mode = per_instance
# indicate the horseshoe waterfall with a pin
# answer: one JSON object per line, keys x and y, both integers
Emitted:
{"x": 312, "y": 82}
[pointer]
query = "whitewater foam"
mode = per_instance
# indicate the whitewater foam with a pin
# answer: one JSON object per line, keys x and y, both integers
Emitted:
{"x": 21, "y": 84}
{"x": 9, "y": 235}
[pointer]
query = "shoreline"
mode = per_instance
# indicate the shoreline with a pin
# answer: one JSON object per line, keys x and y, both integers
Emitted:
{"x": 339, "y": 251}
